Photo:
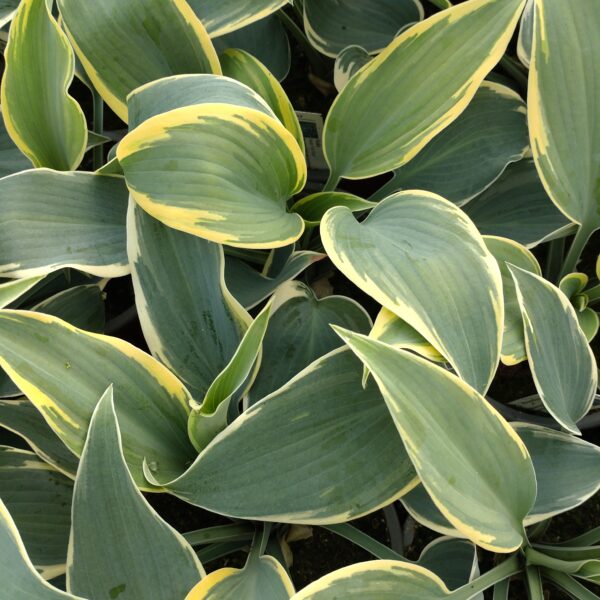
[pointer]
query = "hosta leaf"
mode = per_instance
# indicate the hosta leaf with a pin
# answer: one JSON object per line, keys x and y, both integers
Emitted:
{"x": 525, "y": 40}
{"x": 242, "y": 66}
{"x": 332, "y": 25}
{"x": 19, "y": 577}
{"x": 64, "y": 370}
{"x": 299, "y": 333}
{"x": 39, "y": 500}
{"x": 567, "y": 470}
{"x": 156, "y": 561}
{"x": 190, "y": 320}
{"x": 263, "y": 578}
{"x": 224, "y": 16}
{"x": 210, "y": 418}
{"x": 582, "y": 562}
{"x": 421, "y": 258}
{"x": 22, "y": 418}
{"x": 177, "y": 91}
{"x": 572, "y": 284}
{"x": 506, "y": 251}
{"x": 8, "y": 8}
{"x": 250, "y": 287}
{"x": 219, "y": 171}
{"x": 82, "y": 306}
{"x": 471, "y": 153}
{"x": 562, "y": 363}
{"x": 12, "y": 160}
{"x": 484, "y": 490}
{"x": 45, "y": 122}
{"x": 121, "y": 49}
{"x": 564, "y": 127}
{"x": 453, "y": 560}
{"x": 388, "y": 112}
{"x": 589, "y": 322}
{"x": 377, "y": 580}
{"x": 53, "y": 220}
{"x": 342, "y": 456}
{"x": 392, "y": 330}
{"x": 12, "y": 290}
{"x": 312, "y": 208}
{"x": 266, "y": 40}
{"x": 347, "y": 64}
{"x": 52, "y": 284}
{"x": 517, "y": 207}
{"x": 421, "y": 508}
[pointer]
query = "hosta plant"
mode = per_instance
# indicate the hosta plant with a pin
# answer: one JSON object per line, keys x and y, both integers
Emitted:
{"x": 310, "y": 349}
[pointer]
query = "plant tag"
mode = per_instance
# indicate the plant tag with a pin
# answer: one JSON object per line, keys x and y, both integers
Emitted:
{"x": 312, "y": 130}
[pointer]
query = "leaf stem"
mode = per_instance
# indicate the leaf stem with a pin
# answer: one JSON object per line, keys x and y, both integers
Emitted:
{"x": 534, "y": 583}
{"x": 219, "y": 534}
{"x": 364, "y": 541}
{"x": 539, "y": 559}
{"x": 98, "y": 118}
{"x": 569, "y": 585}
{"x": 577, "y": 245}
{"x": 504, "y": 570}
{"x": 589, "y": 538}
{"x": 331, "y": 183}
{"x": 556, "y": 257}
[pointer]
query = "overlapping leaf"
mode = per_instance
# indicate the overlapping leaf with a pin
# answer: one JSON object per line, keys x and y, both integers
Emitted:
{"x": 210, "y": 418}
{"x": 52, "y": 220}
{"x": 190, "y": 320}
{"x": 22, "y": 418}
{"x": 19, "y": 577}
{"x": 484, "y": 490}
{"x": 312, "y": 208}
{"x": 224, "y": 16}
{"x": 563, "y": 119}
{"x": 377, "y": 580}
{"x": 348, "y": 62}
{"x": 156, "y": 561}
{"x": 342, "y": 456}
{"x": 332, "y": 25}
{"x": 242, "y": 66}
{"x": 12, "y": 160}
{"x": 219, "y": 171}
{"x": 562, "y": 463}
{"x": 472, "y": 152}
{"x": 263, "y": 578}
{"x": 39, "y": 500}
{"x": 266, "y": 40}
{"x": 388, "y": 112}
{"x": 250, "y": 286}
{"x": 422, "y": 258}
{"x": 177, "y": 91}
{"x": 299, "y": 333}
{"x": 123, "y": 47}
{"x": 45, "y": 122}
{"x": 562, "y": 363}
{"x": 507, "y": 252}
{"x": 64, "y": 370}
{"x": 8, "y": 8}
{"x": 517, "y": 207}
